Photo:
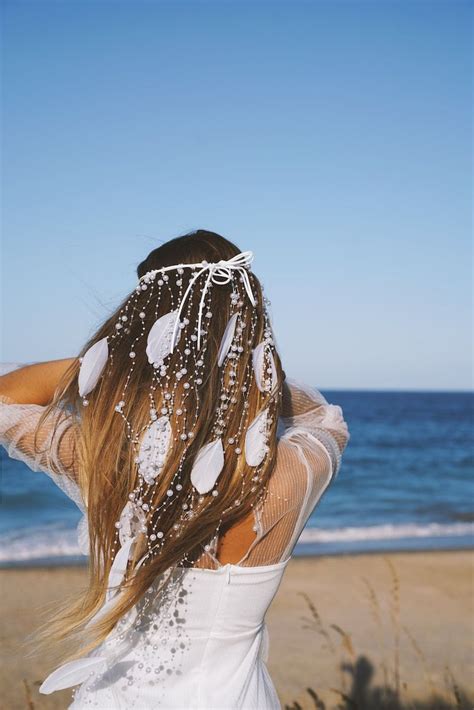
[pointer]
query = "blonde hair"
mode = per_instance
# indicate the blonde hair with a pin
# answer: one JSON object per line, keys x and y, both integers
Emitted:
{"x": 106, "y": 466}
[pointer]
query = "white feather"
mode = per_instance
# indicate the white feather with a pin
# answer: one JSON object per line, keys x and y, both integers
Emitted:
{"x": 131, "y": 520}
{"x": 256, "y": 440}
{"x": 72, "y": 673}
{"x": 83, "y": 535}
{"x": 208, "y": 464}
{"x": 154, "y": 449}
{"x": 227, "y": 339}
{"x": 259, "y": 367}
{"x": 159, "y": 339}
{"x": 119, "y": 567}
{"x": 93, "y": 362}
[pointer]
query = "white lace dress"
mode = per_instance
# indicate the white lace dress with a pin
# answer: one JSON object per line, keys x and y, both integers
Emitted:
{"x": 203, "y": 643}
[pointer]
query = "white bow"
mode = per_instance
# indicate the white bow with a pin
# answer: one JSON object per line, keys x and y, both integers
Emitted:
{"x": 220, "y": 273}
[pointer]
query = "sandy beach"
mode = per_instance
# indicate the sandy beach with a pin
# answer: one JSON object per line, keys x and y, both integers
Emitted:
{"x": 359, "y": 626}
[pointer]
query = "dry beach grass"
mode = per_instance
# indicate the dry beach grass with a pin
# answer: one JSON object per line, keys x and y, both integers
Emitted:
{"x": 353, "y": 632}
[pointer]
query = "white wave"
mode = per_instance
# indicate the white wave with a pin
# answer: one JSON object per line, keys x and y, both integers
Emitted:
{"x": 386, "y": 532}
{"x": 47, "y": 543}
{"x": 56, "y": 543}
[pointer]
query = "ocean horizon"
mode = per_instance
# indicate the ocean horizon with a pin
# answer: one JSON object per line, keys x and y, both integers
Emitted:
{"x": 405, "y": 483}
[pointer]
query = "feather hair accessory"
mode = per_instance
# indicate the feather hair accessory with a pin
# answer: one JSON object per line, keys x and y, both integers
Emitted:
{"x": 166, "y": 327}
{"x": 154, "y": 448}
{"x": 265, "y": 372}
{"x": 92, "y": 365}
{"x": 168, "y": 322}
{"x": 207, "y": 466}
{"x": 172, "y": 378}
{"x": 227, "y": 338}
{"x": 256, "y": 439}
{"x": 159, "y": 341}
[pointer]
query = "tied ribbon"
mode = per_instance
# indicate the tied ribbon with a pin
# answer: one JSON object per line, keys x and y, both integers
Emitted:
{"x": 219, "y": 273}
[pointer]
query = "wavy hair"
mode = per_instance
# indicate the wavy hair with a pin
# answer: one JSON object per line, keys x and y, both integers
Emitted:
{"x": 106, "y": 469}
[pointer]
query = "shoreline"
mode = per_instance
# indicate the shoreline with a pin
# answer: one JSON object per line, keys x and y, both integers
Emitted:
{"x": 338, "y": 624}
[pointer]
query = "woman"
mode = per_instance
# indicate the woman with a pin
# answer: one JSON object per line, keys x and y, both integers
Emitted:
{"x": 197, "y": 466}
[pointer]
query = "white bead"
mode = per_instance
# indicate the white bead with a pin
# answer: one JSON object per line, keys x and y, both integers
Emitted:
{"x": 142, "y": 314}
{"x": 132, "y": 354}
{"x": 159, "y": 534}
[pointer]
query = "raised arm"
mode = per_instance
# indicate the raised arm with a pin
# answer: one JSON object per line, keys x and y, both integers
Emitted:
{"x": 34, "y": 384}
{"x": 308, "y": 415}
{"x": 44, "y": 441}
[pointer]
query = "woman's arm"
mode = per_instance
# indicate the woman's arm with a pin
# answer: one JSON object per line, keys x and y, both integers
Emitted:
{"x": 34, "y": 384}
{"x": 308, "y": 416}
{"x": 45, "y": 442}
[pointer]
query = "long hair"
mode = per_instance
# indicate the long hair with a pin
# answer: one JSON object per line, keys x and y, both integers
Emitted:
{"x": 106, "y": 467}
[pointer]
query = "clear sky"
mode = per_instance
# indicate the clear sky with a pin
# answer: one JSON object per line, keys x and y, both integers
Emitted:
{"x": 331, "y": 138}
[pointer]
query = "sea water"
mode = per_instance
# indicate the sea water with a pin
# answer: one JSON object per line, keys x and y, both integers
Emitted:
{"x": 406, "y": 483}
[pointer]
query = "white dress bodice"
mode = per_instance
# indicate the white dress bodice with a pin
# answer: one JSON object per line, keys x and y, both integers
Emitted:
{"x": 207, "y": 649}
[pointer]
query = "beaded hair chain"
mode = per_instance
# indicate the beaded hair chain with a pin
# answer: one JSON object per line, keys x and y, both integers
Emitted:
{"x": 172, "y": 421}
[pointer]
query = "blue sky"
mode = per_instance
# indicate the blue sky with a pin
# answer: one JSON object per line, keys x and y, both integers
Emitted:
{"x": 331, "y": 138}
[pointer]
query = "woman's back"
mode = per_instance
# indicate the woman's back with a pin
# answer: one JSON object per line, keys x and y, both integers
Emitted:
{"x": 197, "y": 466}
{"x": 209, "y": 622}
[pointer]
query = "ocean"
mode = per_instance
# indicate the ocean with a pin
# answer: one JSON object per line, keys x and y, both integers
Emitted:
{"x": 406, "y": 483}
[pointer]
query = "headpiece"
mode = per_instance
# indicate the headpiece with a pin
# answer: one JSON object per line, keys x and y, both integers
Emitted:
{"x": 179, "y": 352}
{"x": 173, "y": 419}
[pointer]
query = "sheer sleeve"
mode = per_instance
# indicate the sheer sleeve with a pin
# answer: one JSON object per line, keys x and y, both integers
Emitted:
{"x": 51, "y": 448}
{"x": 312, "y": 437}
{"x": 306, "y": 413}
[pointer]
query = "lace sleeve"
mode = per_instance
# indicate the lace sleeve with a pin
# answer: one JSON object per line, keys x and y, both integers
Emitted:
{"x": 312, "y": 437}
{"x": 49, "y": 448}
{"x": 308, "y": 417}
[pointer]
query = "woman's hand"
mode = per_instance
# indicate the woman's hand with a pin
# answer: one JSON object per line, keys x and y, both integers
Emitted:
{"x": 34, "y": 384}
